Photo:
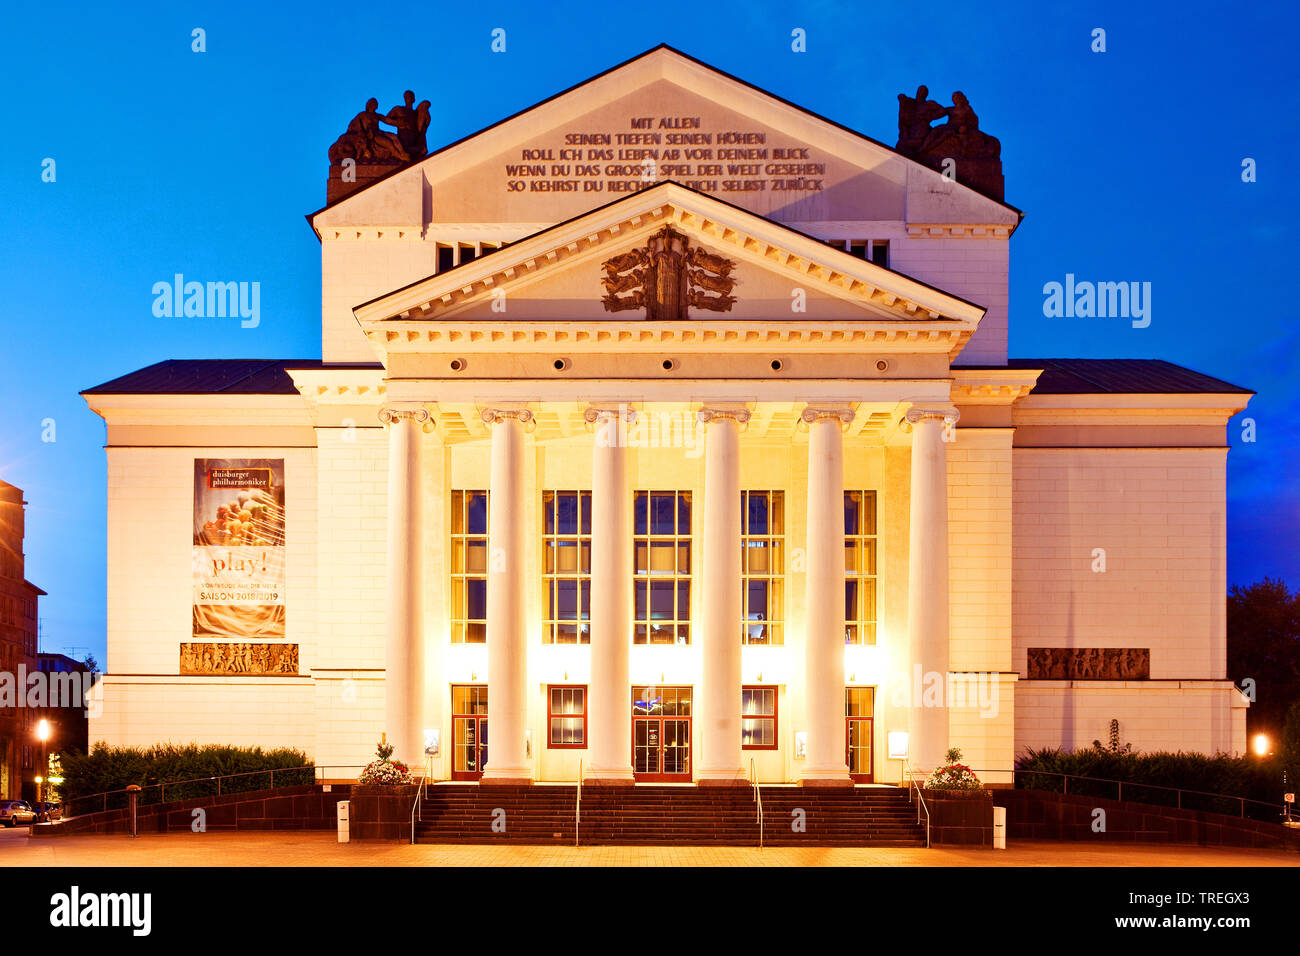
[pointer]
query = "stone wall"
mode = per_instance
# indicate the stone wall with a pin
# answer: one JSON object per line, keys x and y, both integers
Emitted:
{"x": 306, "y": 807}
{"x": 1041, "y": 815}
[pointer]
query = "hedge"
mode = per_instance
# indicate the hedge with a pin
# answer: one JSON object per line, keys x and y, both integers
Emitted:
{"x": 1254, "y": 778}
{"x": 108, "y": 768}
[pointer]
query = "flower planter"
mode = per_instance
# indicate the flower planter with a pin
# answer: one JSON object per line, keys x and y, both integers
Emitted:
{"x": 381, "y": 812}
{"x": 960, "y": 817}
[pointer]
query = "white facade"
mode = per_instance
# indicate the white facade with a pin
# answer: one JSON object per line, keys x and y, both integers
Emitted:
{"x": 994, "y": 488}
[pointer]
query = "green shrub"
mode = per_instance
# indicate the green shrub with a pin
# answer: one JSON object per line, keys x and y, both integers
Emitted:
{"x": 108, "y": 768}
{"x": 1145, "y": 775}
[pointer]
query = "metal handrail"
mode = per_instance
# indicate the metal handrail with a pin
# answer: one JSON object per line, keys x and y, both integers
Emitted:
{"x": 162, "y": 785}
{"x": 417, "y": 807}
{"x": 1066, "y": 777}
{"x": 910, "y": 776}
{"x": 577, "y": 807}
{"x": 758, "y": 799}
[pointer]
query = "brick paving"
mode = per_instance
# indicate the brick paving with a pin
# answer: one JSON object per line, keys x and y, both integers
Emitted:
{"x": 322, "y": 849}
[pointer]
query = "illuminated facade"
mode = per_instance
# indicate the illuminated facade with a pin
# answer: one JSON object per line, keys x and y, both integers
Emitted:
{"x": 669, "y": 428}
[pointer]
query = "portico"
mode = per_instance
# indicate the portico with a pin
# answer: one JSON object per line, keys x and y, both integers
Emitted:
{"x": 712, "y": 660}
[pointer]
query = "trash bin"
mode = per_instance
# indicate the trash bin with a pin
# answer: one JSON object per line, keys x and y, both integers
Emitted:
{"x": 999, "y": 828}
{"x": 344, "y": 829}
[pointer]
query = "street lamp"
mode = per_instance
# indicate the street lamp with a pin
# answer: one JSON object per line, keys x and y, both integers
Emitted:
{"x": 1260, "y": 745}
{"x": 43, "y": 735}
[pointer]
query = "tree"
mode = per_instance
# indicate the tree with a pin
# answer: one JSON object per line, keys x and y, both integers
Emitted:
{"x": 1264, "y": 647}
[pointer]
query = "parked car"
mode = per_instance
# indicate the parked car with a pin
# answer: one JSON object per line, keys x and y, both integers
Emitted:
{"x": 14, "y": 812}
{"x": 46, "y": 811}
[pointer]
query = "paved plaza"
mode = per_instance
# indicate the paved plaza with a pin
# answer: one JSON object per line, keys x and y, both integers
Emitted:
{"x": 322, "y": 849}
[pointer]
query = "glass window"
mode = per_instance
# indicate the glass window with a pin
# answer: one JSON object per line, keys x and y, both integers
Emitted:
{"x": 469, "y": 553}
{"x": 762, "y": 566}
{"x": 758, "y": 718}
{"x": 566, "y": 566}
{"x": 860, "y": 567}
{"x": 566, "y": 717}
{"x": 662, "y": 567}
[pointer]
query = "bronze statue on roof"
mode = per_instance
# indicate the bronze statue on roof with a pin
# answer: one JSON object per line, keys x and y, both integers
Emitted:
{"x": 365, "y": 153}
{"x": 956, "y": 147}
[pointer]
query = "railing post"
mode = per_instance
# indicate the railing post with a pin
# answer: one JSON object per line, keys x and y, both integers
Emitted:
{"x": 1065, "y": 778}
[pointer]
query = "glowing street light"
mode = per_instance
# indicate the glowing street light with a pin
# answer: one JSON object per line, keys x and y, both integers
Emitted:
{"x": 43, "y": 732}
{"x": 1260, "y": 745}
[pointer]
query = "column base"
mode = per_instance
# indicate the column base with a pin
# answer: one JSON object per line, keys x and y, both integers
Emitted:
{"x": 722, "y": 782}
{"x": 609, "y": 778}
{"x": 506, "y": 777}
{"x": 826, "y": 779}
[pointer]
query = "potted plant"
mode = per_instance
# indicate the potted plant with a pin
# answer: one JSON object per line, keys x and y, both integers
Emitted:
{"x": 961, "y": 810}
{"x": 385, "y": 772}
{"x": 954, "y": 779}
{"x": 382, "y": 798}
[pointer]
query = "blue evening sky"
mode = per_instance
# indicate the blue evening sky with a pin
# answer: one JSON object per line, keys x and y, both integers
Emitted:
{"x": 1127, "y": 163}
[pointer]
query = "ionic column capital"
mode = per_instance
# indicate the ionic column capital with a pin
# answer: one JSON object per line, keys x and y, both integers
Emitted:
{"x": 493, "y": 415}
{"x": 709, "y": 414}
{"x": 607, "y": 413}
{"x": 391, "y": 414}
{"x": 918, "y": 413}
{"x": 816, "y": 413}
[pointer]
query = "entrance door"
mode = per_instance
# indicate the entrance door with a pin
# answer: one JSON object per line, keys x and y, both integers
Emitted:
{"x": 661, "y": 734}
{"x": 469, "y": 731}
{"x": 859, "y": 710}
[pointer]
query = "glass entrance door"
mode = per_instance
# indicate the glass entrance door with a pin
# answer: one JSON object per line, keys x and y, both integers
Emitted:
{"x": 469, "y": 731}
{"x": 661, "y": 734}
{"x": 859, "y": 711}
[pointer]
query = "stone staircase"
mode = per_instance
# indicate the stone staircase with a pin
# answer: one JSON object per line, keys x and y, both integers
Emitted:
{"x": 669, "y": 815}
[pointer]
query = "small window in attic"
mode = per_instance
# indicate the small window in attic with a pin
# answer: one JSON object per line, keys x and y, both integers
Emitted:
{"x": 446, "y": 258}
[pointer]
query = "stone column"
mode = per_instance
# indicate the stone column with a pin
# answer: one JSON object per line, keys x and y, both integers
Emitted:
{"x": 720, "y": 761}
{"x": 927, "y": 585}
{"x": 825, "y": 763}
{"x": 404, "y": 617}
{"x": 508, "y": 537}
{"x": 609, "y": 722}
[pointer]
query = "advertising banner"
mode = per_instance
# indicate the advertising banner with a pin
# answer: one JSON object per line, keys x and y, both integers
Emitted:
{"x": 238, "y": 548}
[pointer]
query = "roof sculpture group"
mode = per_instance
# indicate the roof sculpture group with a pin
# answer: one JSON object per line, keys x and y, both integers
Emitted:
{"x": 366, "y": 152}
{"x": 957, "y": 146}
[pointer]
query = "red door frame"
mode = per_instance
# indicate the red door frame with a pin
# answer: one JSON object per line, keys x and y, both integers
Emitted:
{"x": 662, "y": 777}
{"x": 869, "y": 776}
{"x": 870, "y": 721}
{"x": 479, "y": 746}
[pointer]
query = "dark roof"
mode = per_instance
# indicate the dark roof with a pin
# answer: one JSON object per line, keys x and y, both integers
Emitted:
{"x": 267, "y": 377}
{"x": 1120, "y": 376}
{"x": 212, "y": 376}
{"x": 618, "y": 66}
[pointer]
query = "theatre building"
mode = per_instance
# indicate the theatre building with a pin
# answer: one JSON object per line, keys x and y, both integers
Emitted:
{"x": 666, "y": 429}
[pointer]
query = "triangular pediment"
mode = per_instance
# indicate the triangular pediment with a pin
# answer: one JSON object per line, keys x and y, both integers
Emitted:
{"x": 769, "y": 272}
{"x": 662, "y": 116}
